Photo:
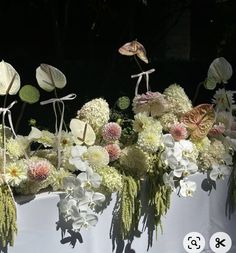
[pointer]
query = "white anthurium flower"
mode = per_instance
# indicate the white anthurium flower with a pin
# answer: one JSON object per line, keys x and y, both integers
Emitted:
{"x": 84, "y": 220}
{"x": 187, "y": 188}
{"x": 7, "y": 73}
{"x": 82, "y": 132}
{"x": 219, "y": 171}
{"x": 49, "y": 77}
{"x": 89, "y": 179}
{"x": 220, "y": 71}
{"x": 35, "y": 133}
{"x": 168, "y": 180}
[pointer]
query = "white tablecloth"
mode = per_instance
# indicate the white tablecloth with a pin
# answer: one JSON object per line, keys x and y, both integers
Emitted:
{"x": 202, "y": 213}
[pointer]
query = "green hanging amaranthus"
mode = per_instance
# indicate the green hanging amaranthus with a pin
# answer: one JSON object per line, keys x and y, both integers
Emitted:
{"x": 8, "y": 217}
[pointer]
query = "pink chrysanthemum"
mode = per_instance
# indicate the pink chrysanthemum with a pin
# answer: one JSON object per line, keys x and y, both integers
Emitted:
{"x": 111, "y": 132}
{"x": 113, "y": 151}
{"x": 217, "y": 130}
{"x": 179, "y": 131}
{"x": 39, "y": 170}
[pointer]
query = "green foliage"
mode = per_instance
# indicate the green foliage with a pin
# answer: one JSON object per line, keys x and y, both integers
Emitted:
{"x": 29, "y": 94}
{"x": 8, "y": 226}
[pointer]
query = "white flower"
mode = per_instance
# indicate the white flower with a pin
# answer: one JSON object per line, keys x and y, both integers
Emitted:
{"x": 15, "y": 173}
{"x": 187, "y": 188}
{"x": 76, "y": 158}
{"x": 223, "y": 99}
{"x": 220, "y": 71}
{"x": 7, "y": 72}
{"x": 219, "y": 171}
{"x": 84, "y": 220}
{"x": 168, "y": 180}
{"x": 49, "y": 77}
{"x": 89, "y": 179}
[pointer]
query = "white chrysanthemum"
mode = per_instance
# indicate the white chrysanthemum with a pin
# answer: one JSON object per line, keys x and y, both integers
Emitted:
{"x": 179, "y": 102}
{"x": 149, "y": 140}
{"x": 142, "y": 122}
{"x": 223, "y": 99}
{"x": 96, "y": 156}
{"x": 167, "y": 120}
{"x": 95, "y": 112}
{"x": 135, "y": 160}
{"x": 16, "y": 147}
{"x": 44, "y": 137}
{"x": 15, "y": 173}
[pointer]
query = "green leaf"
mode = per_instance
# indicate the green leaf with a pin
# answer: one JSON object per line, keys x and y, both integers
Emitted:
{"x": 29, "y": 94}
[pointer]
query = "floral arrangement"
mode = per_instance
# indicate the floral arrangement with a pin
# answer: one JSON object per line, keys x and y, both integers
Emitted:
{"x": 104, "y": 151}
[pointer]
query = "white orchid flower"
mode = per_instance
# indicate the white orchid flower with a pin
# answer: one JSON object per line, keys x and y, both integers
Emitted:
{"x": 219, "y": 171}
{"x": 89, "y": 179}
{"x": 76, "y": 158}
{"x": 168, "y": 180}
{"x": 84, "y": 220}
{"x": 187, "y": 188}
{"x": 8, "y": 75}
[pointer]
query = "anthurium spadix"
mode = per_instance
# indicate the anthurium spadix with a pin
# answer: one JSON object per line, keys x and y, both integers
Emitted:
{"x": 8, "y": 78}
{"x": 83, "y": 132}
{"x": 49, "y": 77}
{"x": 220, "y": 71}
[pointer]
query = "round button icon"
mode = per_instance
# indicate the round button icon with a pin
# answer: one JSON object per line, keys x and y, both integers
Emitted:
{"x": 220, "y": 242}
{"x": 194, "y": 242}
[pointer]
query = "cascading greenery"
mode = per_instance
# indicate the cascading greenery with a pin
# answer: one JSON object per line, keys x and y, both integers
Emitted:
{"x": 130, "y": 205}
{"x": 8, "y": 216}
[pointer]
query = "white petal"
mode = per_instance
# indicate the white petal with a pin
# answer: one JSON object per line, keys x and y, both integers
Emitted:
{"x": 35, "y": 133}
{"x": 220, "y": 70}
{"x": 7, "y": 73}
{"x": 49, "y": 77}
{"x": 83, "y": 132}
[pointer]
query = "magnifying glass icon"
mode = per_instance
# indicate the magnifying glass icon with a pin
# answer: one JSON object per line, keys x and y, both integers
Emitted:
{"x": 194, "y": 243}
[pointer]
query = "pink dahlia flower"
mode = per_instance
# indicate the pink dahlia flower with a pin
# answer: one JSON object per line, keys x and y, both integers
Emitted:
{"x": 179, "y": 131}
{"x": 111, "y": 132}
{"x": 39, "y": 170}
{"x": 113, "y": 151}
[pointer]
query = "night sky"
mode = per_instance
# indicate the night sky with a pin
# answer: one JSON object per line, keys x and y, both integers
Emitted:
{"x": 81, "y": 38}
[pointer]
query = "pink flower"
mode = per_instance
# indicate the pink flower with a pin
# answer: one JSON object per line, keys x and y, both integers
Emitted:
{"x": 217, "y": 130}
{"x": 113, "y": 151}
{"x": 111, "y": 132}
{"x": 39, "y": 170}
{"x": 179, "y": 131}
{"x": 153, "y": 103}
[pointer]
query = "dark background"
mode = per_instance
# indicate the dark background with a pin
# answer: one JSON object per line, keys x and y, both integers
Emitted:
{"x": 82, "y": 37}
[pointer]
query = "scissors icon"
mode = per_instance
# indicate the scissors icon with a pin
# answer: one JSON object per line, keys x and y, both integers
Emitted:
{"x": 219, "y": 242}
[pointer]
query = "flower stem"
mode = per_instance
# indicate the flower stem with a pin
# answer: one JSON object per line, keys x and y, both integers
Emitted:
{"x": 135, "y": 58}
{"x": 20, "y": 116}
{"x": 197, "y": 92}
